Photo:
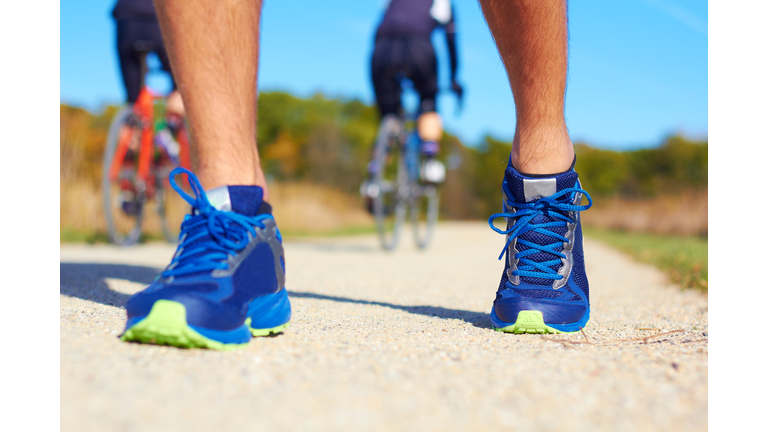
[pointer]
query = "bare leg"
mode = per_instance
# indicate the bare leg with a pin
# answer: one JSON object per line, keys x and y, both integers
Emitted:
{"x": 532, "y": 38}
{"x": 213, "y": 46}
{"x": 430, "y": 126}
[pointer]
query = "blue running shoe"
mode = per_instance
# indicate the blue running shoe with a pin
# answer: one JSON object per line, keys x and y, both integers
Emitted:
{"x": 226, "y": 282}
{"x": 544, "y": 287}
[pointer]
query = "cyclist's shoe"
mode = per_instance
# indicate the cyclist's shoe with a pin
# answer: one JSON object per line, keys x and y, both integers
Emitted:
{"x": 225, "y": 283}
{"x": 432, "y": 171}
{"x": 129, "y": 203}
{"x": 544, "y": 286}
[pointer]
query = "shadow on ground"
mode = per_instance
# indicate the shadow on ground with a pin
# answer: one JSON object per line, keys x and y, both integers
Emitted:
{"x": 478, "y": 319}
{"x": 87, "y": 282}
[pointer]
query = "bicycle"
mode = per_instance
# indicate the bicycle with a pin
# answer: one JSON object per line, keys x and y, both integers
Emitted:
{"x": 403, "y": 174}
{"x": 136, "y": 165}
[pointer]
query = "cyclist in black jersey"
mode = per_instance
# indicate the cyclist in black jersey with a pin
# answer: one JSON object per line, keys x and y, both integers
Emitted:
{"x": 403, "y": 47}
{"x": 137, "y": 27}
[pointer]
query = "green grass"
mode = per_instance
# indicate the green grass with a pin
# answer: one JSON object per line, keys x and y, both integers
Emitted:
{"x": 683, "y": 258}
{"x": 69, "y": 235}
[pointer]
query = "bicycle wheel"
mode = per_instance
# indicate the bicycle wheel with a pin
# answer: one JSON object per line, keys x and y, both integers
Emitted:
{"x": 123, "y": 196}
{"x": 389, "y": 188}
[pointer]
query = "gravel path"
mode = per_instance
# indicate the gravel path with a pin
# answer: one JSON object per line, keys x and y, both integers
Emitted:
{"x": 389, "y": 341}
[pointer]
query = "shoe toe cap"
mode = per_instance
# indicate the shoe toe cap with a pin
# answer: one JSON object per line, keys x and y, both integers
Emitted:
{"x": 200, "y": 311}
{"x": 553, "y": 312}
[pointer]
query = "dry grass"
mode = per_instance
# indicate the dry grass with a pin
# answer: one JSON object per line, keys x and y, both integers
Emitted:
{"x": 81, "y": 207}
{"x": 300, "y": 209}
{"x": 307, "y": 208}
{"x": 684, "y": 214}
{"x": 82, "y": 213}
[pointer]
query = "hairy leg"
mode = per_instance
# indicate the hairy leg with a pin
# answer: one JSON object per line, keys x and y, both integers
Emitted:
{"x": 214, "y": 50}
{"x": 532, "y": 38}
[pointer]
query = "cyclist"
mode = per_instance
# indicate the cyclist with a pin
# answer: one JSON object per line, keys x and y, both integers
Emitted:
{"x": 403, "y": 49}
{"x": 137, "y": 30}
{"x": 138, "y": 33}
{"x": 226, "y": 281}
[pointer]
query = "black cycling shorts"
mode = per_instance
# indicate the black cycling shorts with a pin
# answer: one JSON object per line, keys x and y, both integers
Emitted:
{"x": 129, "y": 31}
{"x": 413, "y": 57}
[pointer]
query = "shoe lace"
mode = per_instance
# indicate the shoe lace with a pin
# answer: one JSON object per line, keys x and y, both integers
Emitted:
{"x": 208, "y": 236}
{"x": 556, "y": 207}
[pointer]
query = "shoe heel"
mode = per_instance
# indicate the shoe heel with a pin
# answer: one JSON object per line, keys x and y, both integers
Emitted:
{"x": 269, "y": 314}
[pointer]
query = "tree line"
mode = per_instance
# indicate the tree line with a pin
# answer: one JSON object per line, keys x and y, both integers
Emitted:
{"x": 328, "y": 141}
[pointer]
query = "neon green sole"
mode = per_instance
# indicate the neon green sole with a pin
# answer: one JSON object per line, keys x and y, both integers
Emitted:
{"x": 531, "y": 322}
{"x": 267, "y": 332}
{"x": 166, "y": 324}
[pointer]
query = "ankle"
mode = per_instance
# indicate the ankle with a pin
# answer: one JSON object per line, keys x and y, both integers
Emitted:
{"x": 213, "y": 178}
{"x": 556, "y": 163}
{"x": 542, "y": 155}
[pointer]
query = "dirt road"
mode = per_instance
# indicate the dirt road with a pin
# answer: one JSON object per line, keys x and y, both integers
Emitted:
{"x": 389, "y": 341}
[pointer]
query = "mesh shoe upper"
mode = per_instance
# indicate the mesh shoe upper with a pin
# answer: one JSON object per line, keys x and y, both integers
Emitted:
{"x": 229, "y": 253}
{"x": 544, "y": 266}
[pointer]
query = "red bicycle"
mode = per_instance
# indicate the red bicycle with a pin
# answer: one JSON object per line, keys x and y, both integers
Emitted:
{"x": 143, "y": 145}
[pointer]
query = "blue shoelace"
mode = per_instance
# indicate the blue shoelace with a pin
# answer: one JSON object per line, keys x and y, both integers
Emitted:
{"x": 208, "y": 236}
{"x": 556, "y": 206}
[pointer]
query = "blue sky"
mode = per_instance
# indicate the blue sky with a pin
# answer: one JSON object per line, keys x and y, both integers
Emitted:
{"x": 637, "y": 73}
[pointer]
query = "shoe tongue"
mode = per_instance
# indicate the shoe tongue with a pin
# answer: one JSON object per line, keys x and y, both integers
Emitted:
{"x": 245, "y": 200}
{"x": 527, "y": 188}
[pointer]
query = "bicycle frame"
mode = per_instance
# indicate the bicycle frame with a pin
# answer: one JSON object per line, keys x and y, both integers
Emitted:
{"x": 144, "y": 108}
{"x": 411, "y": 140}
